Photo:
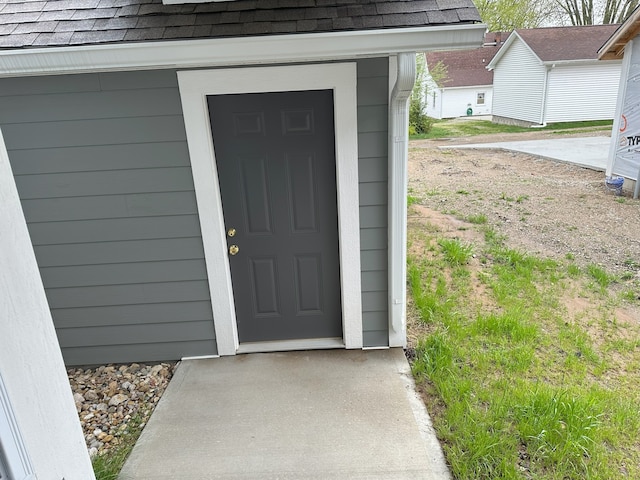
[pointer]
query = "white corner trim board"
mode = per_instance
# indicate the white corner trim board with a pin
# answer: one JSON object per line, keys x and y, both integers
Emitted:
{"x": 194, "y": 88}
{"x": 236, "y": 51}
{"x": 14, "y": 459}
{"x": 405, "y": 76}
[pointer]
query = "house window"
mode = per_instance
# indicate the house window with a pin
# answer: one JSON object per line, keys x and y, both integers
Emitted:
{"x": 480, "y": 98}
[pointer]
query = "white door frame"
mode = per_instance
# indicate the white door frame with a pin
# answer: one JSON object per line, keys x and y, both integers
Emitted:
{"x": 194, "y": 88}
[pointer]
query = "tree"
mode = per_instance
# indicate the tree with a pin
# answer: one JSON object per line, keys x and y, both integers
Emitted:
{"x": 419, "y": 122}
{"x": 586, "y": 12}
{"x": 507, "y": 15}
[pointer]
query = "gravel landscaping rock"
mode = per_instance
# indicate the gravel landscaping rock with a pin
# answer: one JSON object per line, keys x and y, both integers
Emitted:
{"x": 108, "y": 397}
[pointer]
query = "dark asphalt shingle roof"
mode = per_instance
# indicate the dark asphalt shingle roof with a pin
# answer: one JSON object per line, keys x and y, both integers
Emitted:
{"x": 33, "y": 23}
{"x": 465, "y": 68}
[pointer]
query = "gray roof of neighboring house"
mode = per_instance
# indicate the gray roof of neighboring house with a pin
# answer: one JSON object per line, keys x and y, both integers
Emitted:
{"x": 567, "y": 43}
{"x": 35, "y": 23}
{"x": 465, "y": 68}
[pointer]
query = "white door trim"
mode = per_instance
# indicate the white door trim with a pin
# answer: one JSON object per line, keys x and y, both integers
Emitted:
{"x": 194, "y": 88}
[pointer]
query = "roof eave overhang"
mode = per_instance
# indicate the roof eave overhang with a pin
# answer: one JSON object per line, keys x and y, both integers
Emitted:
{"x": 580, "y": 61}
{"x": 613, "y": 49}
{"x": 460, "y": 87}
{"x": 236, "y": 51}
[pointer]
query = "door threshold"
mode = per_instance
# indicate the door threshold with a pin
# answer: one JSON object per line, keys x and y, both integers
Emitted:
{"x": 288, "y": 345}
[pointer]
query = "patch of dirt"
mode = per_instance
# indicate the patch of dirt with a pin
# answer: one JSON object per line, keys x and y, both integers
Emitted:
{"x": 545, "y": 207}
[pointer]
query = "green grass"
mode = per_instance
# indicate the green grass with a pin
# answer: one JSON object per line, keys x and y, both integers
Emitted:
{"x": 412, "y": 200}
{"x": 108, "y": 464}
{"x": 455, "y": 252}
{"x": 518, "y": 388}
{"x": 478, "y": 219}
{"x": 601, "y": 277}
{"x": 467, "y": 128}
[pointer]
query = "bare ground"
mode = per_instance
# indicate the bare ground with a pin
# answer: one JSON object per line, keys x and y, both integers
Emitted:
{"x": 545, "y": 207}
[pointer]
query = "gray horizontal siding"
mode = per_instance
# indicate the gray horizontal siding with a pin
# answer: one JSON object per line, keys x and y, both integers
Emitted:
{"x": 131, "y": 314}
{"x": 123, "y": 273}
{"x": 104, "y": 82}
{"x": 132, "y": 251}
{"x": 373, "y": 92}
{"x": 373, "y": 216}
{"x": 100, "y": 158}
{"x": 157, "y": 351}
{"x": 115, "y": 229}
{"x": 376, "y": 338}
{"x": 102, "y": 168}
{"x": 55, "y": 107}
{"x": 79, "y": 133}
{"x": 134, "y": 334}
{"x": 373, "y": 260}
{"x": 372, "y": 170}
{"x": 111, "y": 206}
{"x": 114, "y": 182}
{"x": 373, "y": 239}
{"x": 133, "y": 294}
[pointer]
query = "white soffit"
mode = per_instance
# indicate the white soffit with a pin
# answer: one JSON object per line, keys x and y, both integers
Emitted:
{"x": 236, "y": 51}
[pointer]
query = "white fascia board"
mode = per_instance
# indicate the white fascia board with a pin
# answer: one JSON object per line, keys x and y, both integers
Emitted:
{"x": 236, "y": 51}
{"x": 502, "y": 50}
{"x": 464, "y": 87}
{"x": 592, "y": 61}
{"x": 512, "y": 38}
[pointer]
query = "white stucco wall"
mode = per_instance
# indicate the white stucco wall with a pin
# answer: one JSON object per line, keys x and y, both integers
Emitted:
{"x": 30, "y": 360}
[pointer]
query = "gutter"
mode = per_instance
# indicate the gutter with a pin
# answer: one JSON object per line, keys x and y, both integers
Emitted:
{"x": 302, "y": 48}
{"x": 397, "y": 229}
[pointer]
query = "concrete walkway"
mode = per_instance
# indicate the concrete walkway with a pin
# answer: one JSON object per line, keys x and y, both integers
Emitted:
{"x": 589, "y": 152}
{"x": 332, "y": 414}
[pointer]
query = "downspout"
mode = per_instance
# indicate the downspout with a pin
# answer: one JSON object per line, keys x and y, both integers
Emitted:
{"x": 543, "y": 110}
{"x": 397, "y": 181}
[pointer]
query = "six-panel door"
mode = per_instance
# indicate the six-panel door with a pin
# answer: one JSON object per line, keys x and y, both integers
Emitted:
{"x": 275, "y": 155}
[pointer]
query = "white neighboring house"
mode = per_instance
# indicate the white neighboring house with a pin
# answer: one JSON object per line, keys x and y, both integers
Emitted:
{"x": 549, "y": 75}
{"x": 467, "y": 88}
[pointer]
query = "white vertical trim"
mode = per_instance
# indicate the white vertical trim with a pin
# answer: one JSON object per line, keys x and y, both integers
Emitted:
{"x": 13, "y": 452}
{"x": 398, "y": 154}
{"x": 622, "y": 94}
{"x": 194, "y": 88}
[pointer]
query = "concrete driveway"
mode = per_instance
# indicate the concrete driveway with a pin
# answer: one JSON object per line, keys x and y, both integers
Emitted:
{"x": 331, "y": 414}
{"x": 588, "y": 152}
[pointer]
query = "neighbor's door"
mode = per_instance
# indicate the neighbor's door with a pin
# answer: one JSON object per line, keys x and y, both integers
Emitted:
{"x": 275, "y": 155}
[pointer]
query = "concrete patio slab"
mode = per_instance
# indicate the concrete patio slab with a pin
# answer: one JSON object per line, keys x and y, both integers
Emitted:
{"x": 588, "y": 152}
{"x": 332, "y": 414}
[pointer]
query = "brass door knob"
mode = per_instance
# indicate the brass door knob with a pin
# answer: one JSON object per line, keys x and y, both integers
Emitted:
{"x": 233, "y": 249}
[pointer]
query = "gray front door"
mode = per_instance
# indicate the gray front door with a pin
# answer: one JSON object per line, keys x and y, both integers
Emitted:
{"x": 275, "y": 154}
